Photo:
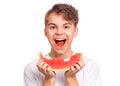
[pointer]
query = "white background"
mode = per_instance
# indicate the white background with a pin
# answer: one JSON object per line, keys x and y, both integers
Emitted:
{"x": 22, "y": 36}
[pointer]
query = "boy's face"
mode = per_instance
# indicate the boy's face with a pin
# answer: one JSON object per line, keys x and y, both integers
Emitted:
{"x": 60, "y": 33}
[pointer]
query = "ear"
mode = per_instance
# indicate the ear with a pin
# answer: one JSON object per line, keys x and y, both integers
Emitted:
{"x": 45, "y": 32}
{"x": 75, "y": 31}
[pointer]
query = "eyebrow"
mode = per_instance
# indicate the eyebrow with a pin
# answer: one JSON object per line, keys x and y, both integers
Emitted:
{"x": 67, "y": 23}
{"x": 55, "y": 24}
{"x": 51, "y": 24}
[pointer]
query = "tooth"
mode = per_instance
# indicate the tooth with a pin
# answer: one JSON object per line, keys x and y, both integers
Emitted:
{"x": 59, "y": 39}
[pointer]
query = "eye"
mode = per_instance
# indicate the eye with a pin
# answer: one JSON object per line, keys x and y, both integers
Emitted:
{"x": 52, "y": 27}
{"x": 66, "y": 27}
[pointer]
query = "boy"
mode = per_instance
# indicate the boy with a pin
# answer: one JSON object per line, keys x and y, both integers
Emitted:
{"x": 60, "y": 29}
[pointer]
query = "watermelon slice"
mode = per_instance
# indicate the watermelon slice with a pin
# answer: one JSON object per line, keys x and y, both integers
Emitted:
{"x": 61, "y": 64}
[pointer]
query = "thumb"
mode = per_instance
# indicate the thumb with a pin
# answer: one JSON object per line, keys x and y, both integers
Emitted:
{"x": 40, "y": 56}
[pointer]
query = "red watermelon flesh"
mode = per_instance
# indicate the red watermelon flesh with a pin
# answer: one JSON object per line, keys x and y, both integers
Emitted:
{"x": 61, "y": 64}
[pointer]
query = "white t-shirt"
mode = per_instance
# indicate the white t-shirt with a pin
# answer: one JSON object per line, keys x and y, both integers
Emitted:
{"x": 88, "y": 76}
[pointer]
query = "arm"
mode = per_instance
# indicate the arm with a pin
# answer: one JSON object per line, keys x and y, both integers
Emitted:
{"x": 48, "y": 82}
{"x": 72, "y": 81}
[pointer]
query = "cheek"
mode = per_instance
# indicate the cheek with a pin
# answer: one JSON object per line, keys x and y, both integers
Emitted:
{"x": 71, "y": 34}
{"x": 49, "y": 35}
{"x": 74, "y": 33}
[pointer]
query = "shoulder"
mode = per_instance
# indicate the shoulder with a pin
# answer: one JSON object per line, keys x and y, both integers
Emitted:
{"x": 89, "y": 61}
{"x": 31, "y": 66}
{"x": 91, "y": 65}
{"x": 91, "y": 72}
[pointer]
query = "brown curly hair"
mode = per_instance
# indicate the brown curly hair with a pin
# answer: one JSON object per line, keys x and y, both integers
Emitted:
{"x": 68, "y": 11}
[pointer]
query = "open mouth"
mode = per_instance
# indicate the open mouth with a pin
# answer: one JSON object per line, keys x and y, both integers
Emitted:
{"x": 60, "y": 42}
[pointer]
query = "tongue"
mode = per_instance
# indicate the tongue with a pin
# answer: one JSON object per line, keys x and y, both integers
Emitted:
{"x": 61, "y": 43}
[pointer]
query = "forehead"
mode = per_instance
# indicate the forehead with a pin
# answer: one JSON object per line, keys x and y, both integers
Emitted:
{"x": 57, "y": 18}
{"x": 55, "y": 15}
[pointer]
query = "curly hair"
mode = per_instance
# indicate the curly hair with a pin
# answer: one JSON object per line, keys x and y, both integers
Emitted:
{"x": 68, "y": 11}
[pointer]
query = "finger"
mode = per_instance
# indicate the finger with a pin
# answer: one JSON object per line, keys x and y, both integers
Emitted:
{"x": 39, "y": 65}
{"x": 39, "y": 62}
{"x": 44, "y": 68}
{"x": 81, "y": 63}
{"x": 48, "y": 68}
{"x": 72, "y": 68}
{"x": 77, "y": 67}
{"x": 49, "y": 71}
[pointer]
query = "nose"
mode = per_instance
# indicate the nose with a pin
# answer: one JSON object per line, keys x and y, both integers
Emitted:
{"x": 59, "y": 31}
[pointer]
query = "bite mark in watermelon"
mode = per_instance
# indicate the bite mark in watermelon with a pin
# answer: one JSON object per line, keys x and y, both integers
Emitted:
{"x": 61, "y": 64}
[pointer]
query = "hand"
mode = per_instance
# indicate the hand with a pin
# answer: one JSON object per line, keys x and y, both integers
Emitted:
{"x": 70, "y": 75}
{"x": 75, "y": 68}
{"x": 45, "y": 69}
